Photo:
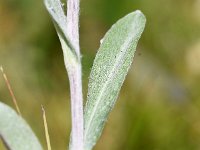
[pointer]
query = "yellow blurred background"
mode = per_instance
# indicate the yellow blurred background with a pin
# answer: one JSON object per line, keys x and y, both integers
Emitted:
{"x": 159, "y": 105}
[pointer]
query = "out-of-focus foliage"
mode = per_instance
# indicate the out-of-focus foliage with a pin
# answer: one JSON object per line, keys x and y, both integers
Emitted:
{"x": 159, "y": 105}
{"x": 15, "y": 132}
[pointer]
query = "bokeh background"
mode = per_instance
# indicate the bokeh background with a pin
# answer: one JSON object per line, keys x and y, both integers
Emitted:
{"x": 159, "y": 104}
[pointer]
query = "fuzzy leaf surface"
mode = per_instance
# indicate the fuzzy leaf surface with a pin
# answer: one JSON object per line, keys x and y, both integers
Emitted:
{"x": 108, "y": 73}
{"x": 55, "y": 9}
{"x": 15, "y": 132}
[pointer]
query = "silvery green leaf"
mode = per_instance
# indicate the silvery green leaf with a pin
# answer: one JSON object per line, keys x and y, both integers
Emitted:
{"x": 110, "y": 67}
{"x": 55, "y": 9}
{"x": 15, "y": 132}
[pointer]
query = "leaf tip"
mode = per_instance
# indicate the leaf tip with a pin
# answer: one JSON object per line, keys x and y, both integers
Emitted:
{"x": 46, "y": 128}
{"x": 1, "y": 68}
{"x": 140, "y": 13}
{"x": 42, "y": 108}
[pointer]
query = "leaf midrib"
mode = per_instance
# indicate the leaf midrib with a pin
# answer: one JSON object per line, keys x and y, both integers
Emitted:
{"x": 118, "y": 63}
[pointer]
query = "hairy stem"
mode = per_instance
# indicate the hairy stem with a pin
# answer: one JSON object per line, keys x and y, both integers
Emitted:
{"x": 76, "y": 109}
{"x": 75, "y": 77}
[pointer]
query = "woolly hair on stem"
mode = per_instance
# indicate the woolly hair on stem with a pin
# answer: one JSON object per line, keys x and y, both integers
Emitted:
{"x": 67, "y": 28}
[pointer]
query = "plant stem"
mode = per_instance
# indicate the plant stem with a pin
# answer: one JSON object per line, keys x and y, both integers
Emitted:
{"x": 75, "y": 77}
{"x": 76, "y": 109}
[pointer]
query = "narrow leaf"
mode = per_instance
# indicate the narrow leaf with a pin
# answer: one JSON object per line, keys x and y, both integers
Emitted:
{"x": 110, "y": 67}
{"x": 55, "y": 9}
{"x": 15, "y": 132}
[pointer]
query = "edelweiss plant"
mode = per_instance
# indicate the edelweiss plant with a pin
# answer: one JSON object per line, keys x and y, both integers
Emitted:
{"x": 110, "y": 67}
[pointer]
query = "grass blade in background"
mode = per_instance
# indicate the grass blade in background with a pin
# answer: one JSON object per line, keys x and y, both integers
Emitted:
{"x": 15, "y": 132}
{"x": 110, "y": 67}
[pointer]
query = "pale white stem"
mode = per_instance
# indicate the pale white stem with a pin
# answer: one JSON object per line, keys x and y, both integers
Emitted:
{"x": 75, "y": 77}
{"x": 76, "y": 109}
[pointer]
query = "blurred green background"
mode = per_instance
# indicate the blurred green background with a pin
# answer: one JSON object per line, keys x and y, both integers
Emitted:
{"x": 159, "y": 104}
